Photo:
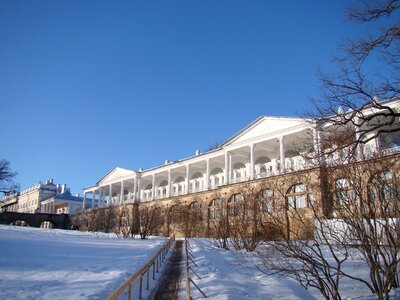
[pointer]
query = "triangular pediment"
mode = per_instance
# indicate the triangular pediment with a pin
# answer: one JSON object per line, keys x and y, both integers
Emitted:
{"x": 264, "y": 126}
{"x": 116, "y": 174}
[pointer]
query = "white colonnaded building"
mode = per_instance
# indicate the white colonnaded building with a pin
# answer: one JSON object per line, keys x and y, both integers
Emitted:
{"x": 269, "y": 146}
{"x": 43, "y": 198}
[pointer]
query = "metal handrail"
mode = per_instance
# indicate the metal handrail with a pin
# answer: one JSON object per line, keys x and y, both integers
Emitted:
{"x": 187, "y": 271}
{"x": 136, "y": 278}
{"x": 188, "y": 294}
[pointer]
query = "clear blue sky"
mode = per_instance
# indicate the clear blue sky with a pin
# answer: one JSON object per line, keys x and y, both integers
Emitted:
{"x": 89, "y": 85}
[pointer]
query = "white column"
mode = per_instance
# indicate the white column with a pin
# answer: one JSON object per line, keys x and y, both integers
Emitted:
{"x": 230, "y": 174}
{"x": 169, "y": 183}
{"x": 207, "y": 183}
{"x": 251, "y": 169}
{"x": 359, "y": 150}
{"x": 110, "y": 195}
{"x": 121, "y": 199}
{"x": 94, "y": 196}
{"x": 187, "y": 179}
{"x": 135, "y": 180}
{"x": 226, "y": 167}
{"x": 318, "y": 144}
{"x": 153, "y": 186}
{"x": 282, "y": 154}
{"x": 139, "y": 189}
{"x": 100, "y": 197}
{"x": 84, "y": 200}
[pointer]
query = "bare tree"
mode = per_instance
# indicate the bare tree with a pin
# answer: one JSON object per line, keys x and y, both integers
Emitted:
{"x": 7, "y": 184}
{"x": 150, "y": 221}
{"x": 218, "y": 223}
{"x": 124, "y": 222}
{"x": 352, "y": 96}
{"x": 243, "y": 211}
{"x": 213, "y": 146}
{"x": 360, "y": 105}
{"x": 347, "y": 210}
{"x": 192, "y": 219}
{"x": 296, "y": 252}
{"x": 366, "y": 205}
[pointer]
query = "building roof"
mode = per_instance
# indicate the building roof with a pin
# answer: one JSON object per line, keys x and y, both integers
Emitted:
{"x": 67, "y": 196}
{"x": 266, "y": 124}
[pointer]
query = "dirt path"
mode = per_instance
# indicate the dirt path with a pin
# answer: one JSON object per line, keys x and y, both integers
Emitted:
{"x": 168, "y": 289}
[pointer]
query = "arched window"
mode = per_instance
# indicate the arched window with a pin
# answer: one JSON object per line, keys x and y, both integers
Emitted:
{"x": 158, "y": 217}
{"x": 268, "y": 201}
{"x": 298, "y": 197}
{"x": 196, "y": 181}
{"x": 239, "y": 171}
{"x": 236, "y": 205}
{"x": 262, "y": 160}
{"x": 178, "y": 185}
{"x": 291, "y": 153}
{"x": 197, "y": 175}
{"x": 195, "y": 211}
{"x": 289, "y": 160}
{"x": 163, "y": 183}
{"x": 162, "y": 188}
{"x": 179, "y": 179}
{"x": 216, "y": 177}
{"x": 214, "y": 209}
{"x": 175, "y": 214}
{"x": 344, "y": 192}
{"x": 262, "y": 166}
{"x": 385, "y": 188}
{"x": 148, "y": 191}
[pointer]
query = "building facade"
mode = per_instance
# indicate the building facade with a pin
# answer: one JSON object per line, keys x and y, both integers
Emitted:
{"x": 43, "y": 198}
{"x": 268, "y": 147}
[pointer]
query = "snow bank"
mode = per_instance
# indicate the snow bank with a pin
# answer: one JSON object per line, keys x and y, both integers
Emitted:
{"x": 232, "y": 275}
{"x": 58, "y": 264}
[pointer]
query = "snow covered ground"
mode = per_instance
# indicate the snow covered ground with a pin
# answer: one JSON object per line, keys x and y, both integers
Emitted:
{"x": 232, "y": 275}
{"x": 58, "y": 264}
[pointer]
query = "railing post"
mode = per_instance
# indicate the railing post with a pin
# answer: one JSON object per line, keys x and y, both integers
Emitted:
{"x": 154, "y": 262}
{"x": 140, "y": 286}
{"x": 157, "y": 261}
{"x": 147, "y": 277}
{"x": 129, "y": 291}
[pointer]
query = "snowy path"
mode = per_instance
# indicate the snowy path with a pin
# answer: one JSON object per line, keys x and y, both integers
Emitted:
{"x": 169, "y": 288}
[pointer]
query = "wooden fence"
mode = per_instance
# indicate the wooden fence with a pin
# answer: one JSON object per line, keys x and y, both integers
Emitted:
{"x": 144, "y": 272}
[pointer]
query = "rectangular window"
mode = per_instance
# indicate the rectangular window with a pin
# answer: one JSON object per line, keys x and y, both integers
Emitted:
{"x": 291, "y": 203}
{"x": 269, "y": 205}
{"x": 310, "y": 200}
{"x": 300, "y": 188}
{"x": 300, "y": 201}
